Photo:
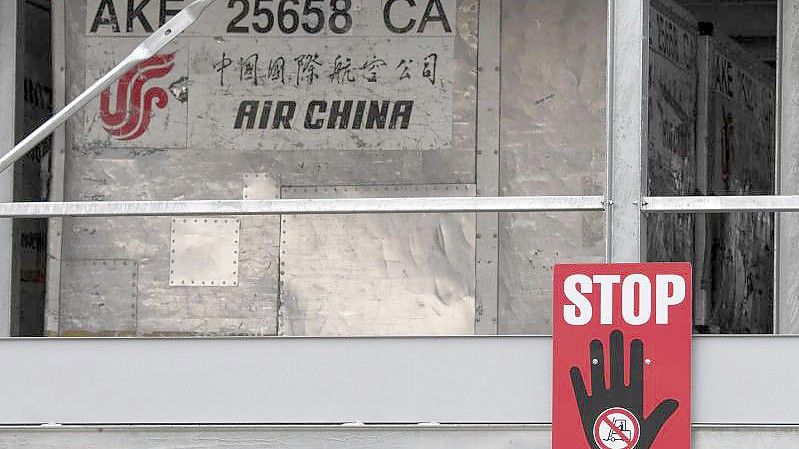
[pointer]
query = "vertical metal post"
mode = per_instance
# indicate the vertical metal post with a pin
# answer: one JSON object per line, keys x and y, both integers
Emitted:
{"x": 627, "y": 97}
{"x": 487, "y": 165}
{"x": 787, "y": 163}
{"x": 701, "y": 284}
{"x": 55, "y": 225}
{"x": 8, "y": 101}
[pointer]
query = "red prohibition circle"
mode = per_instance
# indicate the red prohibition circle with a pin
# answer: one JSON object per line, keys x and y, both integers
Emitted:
{"x": 619, "y": 436}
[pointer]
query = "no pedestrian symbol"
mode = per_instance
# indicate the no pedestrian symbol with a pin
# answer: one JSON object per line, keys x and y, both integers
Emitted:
{"x": 616, "y": 428}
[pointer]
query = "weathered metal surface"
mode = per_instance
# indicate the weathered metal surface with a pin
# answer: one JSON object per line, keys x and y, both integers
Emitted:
{"x": 397, "y": 437}
{"x": 164, "y": 168}
{"x": 552, "y": 142}
{"x": 99, "y": 297}
{"x": 410, "y": 274}
{"x": 741, "y": 152}
{"x": 205, "y": 252}
{"x": 260, "y": 186}
{"x": 358, "y": 93}
{"x": 672, "y": 158}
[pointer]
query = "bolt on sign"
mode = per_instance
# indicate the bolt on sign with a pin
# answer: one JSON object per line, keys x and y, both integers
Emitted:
{"x": 622, "y": 356}
{"x": 277, "y": 75}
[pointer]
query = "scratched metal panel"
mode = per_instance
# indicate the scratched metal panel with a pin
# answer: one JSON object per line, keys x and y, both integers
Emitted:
{"x": 400, "y": 274}
{"x": 99, "y": 297}
{"x": 552, "y": 142}
{"x": 248, "y": 308}
{"x": 260, "y": 186}
{"x": 741, "y": 151}
{"x": 205, "y": 252}
{"x": 99, "y": 169}
{"x": 672, "y": 157}
{"x": 245, "y": 437}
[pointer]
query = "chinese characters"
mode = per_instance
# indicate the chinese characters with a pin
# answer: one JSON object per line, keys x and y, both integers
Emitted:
{"x": 308, "y": 69}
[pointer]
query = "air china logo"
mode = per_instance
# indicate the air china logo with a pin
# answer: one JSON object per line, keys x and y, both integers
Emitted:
{"x": 132, "y": 112}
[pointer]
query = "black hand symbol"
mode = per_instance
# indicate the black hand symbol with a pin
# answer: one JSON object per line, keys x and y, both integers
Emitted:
{"x": 618, "y": 394}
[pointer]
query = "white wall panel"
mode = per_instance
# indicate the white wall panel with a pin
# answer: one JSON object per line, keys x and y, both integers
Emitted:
{"x": 381, "y": 437}
{"x": 736, "y": 380}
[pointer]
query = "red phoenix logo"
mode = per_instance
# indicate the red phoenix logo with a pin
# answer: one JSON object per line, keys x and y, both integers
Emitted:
{"x": 134, "y": 105}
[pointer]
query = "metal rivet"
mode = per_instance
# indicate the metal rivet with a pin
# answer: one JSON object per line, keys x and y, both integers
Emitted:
{"x": 595, "y": 361}
{"x": 648, "y": 361}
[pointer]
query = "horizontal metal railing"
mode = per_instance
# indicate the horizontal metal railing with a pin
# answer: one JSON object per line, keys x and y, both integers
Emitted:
{"x": 717, "y": 204}
{"x": 304, "y": 206}
{"x": 675, "y": 204}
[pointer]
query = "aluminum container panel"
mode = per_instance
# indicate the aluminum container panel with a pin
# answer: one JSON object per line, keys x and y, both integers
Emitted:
{"x": 162, "y": 168}
{"x": 552, "y": 134}
{"x": 399, "y": 274}
{"x": 100, "y": 297}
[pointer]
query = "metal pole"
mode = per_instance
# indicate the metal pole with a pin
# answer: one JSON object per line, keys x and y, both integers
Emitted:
{"x": 8, "y": 88}
{"x": 787, "y": 231}
{"x": 55, "y": 225}
{"x": 303, "y": 206}
{"x": 702, "y": 249}
{"x": 487, "y": 166}
{"x": 628, "y": 84}
{"x": 719, "y": 204}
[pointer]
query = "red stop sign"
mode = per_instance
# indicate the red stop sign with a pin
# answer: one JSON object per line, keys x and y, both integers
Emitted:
{"x": 622, "y": 356}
